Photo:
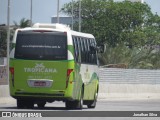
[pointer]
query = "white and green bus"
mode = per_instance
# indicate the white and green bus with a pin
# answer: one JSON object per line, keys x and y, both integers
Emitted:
{"x": 50, "y": 62}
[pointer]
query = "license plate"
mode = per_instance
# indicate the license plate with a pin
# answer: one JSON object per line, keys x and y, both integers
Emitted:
{"x": 39, "y": 83}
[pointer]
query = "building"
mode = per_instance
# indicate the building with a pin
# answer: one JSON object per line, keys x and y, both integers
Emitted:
{"x": 63, "y": 20}
{"x": 142, "y": 1}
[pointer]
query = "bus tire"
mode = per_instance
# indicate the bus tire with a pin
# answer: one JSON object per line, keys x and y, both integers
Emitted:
{"x": 79, "y": 103}
{"x": 20, "y": 104}
{"x": 69, "y": 104}
{"x": 92, "y": 104}
{"x": 29, "y": 104}
{"x": 41, "y": 105}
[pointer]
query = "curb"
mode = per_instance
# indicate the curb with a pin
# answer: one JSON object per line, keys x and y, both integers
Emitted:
{"x": 7, "y": 100}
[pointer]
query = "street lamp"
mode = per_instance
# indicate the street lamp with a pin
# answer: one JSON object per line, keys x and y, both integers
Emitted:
{"x": 72, "y": 14}
{"x": 8, "y": 38}
{"x": 79, "y": 15}
{"x": 31, "y": 14}
{"x": 57, "y": 11}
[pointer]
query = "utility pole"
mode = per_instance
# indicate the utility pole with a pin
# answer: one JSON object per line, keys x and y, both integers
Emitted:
{"x": 79, "y": 15}
{"x": 72, "y": 14}
{"x": 8, "y": 38}
{"x": 57, "y": 11}
{"x": 31, "y": 14}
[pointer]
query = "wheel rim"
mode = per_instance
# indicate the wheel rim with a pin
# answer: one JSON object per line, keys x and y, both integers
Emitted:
{"x": 95, "y": 99}
{"x": 81, "y": 102}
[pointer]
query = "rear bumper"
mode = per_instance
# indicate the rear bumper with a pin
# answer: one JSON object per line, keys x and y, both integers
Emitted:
{"x": 41, "y": 97}
{"x": 39, "y": 94}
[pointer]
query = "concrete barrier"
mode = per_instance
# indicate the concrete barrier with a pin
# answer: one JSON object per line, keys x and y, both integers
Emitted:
{"x": 4, "y": 95}
{"x": 129, "y": 83}
{"x": 106, "y": 92}
{"x": 117, "y": 84}
{"x": 133, "y": 91}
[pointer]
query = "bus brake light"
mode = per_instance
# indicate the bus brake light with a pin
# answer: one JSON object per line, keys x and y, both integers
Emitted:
{"x": 12, "y": 75}
{"x": 68, "y": 74}
{"x": 11, "y": 70}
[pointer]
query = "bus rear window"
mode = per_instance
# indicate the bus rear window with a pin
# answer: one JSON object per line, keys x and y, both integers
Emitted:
{"x": 41, "y": 46}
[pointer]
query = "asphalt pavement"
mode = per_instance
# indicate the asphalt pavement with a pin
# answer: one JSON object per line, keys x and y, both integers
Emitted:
{"x": 111, "y": 109}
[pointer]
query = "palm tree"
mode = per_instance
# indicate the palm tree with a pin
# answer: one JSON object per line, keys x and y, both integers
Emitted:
{"x": 3, "y": 42}
{"x": 116, "y": 55}
{"x": 22, "y": 24}
{"x": 140, "y": 58}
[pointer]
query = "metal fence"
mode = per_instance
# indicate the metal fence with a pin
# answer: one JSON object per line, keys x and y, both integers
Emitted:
{"x": 129, "y": 76}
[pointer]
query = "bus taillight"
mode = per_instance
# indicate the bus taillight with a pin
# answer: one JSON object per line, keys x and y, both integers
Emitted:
{"x": 11, "y": 70}
{"x": 68, "y": 74}
{"x": 12, "y": 74}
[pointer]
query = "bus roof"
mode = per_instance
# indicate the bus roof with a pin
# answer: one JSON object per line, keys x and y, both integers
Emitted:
{"x": 62, "y": 27}
{"x": 54, "y": 27}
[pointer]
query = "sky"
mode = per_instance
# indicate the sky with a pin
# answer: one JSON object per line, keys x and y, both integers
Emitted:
{"x": 44, "y": 9}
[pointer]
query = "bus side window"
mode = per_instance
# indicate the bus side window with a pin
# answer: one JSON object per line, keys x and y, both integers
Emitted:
{"x": 95, "y": 54}
{"x": 82, "y": 50}
{"x": 88, "y": 50}
{"x": 75, "y": 48}
{"x": 85, "y": 50}
{"x": 79, "y": 49}
{"x": 92, "y": 53}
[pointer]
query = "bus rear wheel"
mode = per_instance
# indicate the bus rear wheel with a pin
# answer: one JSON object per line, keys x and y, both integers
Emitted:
{"x": 25, "y": 104}
{"x": 77, "y": 104}
{"x": 74, "y": 104}
{"x": 41, "y": 104}
{"x": 69, "y": 104}
{"x": 20, "y": 104}
{"x": 92, "y": 104}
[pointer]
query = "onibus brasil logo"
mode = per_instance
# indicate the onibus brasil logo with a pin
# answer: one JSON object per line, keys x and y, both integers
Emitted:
{"x": 40, "y": 68}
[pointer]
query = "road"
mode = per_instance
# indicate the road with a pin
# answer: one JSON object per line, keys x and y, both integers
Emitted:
{"x": 102, "y": 105}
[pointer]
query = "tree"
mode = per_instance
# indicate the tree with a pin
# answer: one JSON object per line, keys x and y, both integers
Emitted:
{"x": 22, "y": 24}
{"x": 3, "y": 34}
{"x": 130, "y": 30}
{"x": 113, "y": 22}
{"x": 3, "y": 42}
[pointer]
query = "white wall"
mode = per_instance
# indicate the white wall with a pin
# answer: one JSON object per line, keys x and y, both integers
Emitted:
{"x": 117, "y": 83}
{"x": 129, "y": 83}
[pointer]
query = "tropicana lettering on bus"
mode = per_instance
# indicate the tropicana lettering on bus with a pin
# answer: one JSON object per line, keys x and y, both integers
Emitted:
{"x": 40, "y": 68}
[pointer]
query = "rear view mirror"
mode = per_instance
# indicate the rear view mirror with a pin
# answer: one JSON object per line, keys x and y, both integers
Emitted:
{"x": 101, "y": 49}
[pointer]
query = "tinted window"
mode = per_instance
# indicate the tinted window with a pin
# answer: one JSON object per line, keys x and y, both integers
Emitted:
{"x": 41, "y": 46}
{"x": 82, "y": 50}
{"x": 75, "y": 48}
